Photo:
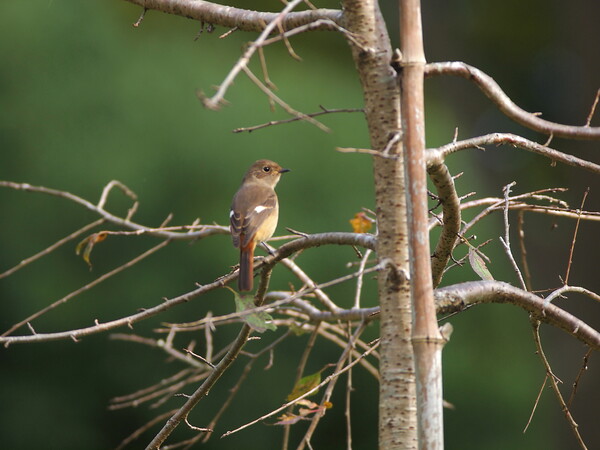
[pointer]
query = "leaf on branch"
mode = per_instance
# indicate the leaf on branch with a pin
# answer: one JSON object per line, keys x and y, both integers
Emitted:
{"x": 86, "y": 246}
{"x": 297, "y": 329}
{"x": 478, "y": 265}
{"x": 304, "y": 385}
{"x": 360, "y": 223}
{"x": 303, "y": 413}
{"x": 289, "y": 419}
{"x": 258, "y": 321}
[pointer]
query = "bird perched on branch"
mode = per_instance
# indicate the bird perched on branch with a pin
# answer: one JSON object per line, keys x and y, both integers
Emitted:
{"x": 254, "y": 213}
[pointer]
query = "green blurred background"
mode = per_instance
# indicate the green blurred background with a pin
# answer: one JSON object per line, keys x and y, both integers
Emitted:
{"x": 87, "y": 98}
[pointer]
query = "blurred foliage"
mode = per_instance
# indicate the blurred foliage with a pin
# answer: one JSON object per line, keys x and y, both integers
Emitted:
{"x": 87, "y": 98}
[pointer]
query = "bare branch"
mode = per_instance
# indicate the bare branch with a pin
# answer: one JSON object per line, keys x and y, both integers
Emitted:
{"x": 585, "y": 194}
{"x": 566, "y": 288}
{"x": 506, "y": 241}
{"x": 593, "y": 109}
{"x": 331, "y": 385}
{"x": 315, "y": 240}
{"x": 439, "y": 154}
{"x": 584, "y": 367}
{"x": 536, "y": 403}
{"x": 296, "y": 118}
{"x": 51, "y": 248}
{"x": 451, "y": 219}
{"x": 137, "y": 433}
{"x": 523, "y": 249}
{"x": 495, "y": 205}
{"x": 493, "y": 91}
{"x": 359, "y": 280}
{"x": 308, "y": 393}
{"x": 209, "y": 230}
{"x": 216, "y": 100}
{"x": 242, "y": 19}
{"x": 299, "y": 115}
{"x": 550, "y": 376}
{"x": 460, "y": 296}
{"x": 73, "y": 294}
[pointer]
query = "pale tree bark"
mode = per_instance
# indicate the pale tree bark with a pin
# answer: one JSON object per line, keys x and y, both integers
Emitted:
{"x": 397, "y": 397}
{"x": 426, "y": 337}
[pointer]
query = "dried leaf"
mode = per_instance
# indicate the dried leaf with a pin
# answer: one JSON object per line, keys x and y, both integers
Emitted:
{"x": 478, "y": 265}
{"x": 288, "y": 419}
{"x": 360, "y": 223}
{"x": 86, "y": 246}
{"x": 308, "y": 403}
{"x": 306, "y": 411}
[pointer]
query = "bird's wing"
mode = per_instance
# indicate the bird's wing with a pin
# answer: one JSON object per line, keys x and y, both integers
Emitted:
{"x": 250, "y": 207}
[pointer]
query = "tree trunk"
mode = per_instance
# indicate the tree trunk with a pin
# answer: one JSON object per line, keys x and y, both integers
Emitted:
{"x": 427, "y": 340}
{"x": 397, "y": 396}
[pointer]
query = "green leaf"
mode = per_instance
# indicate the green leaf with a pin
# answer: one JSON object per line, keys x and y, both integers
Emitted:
{"x": 304, "y": 385}
{"x": 259, "y": 321}
{"x": 478, "y": 265}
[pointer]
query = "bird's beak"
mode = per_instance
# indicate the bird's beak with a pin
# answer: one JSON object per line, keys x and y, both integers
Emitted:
{"x": 283, "y": 170}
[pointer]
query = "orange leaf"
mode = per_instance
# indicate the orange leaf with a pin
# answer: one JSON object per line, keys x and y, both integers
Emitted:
{"x": 86, "y": 246}
{"x": 360, "y": 223}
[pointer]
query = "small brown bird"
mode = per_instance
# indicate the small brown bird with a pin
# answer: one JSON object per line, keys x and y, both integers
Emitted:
{"x": 254, "y": 213}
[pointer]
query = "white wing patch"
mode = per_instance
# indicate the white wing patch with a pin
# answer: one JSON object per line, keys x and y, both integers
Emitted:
{"x": 260, "y": 209}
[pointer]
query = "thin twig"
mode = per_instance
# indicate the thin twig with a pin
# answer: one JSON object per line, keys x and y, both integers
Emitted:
{"x": 366, "y": 151}
{"x": 245, "y": 19}
{"x": 593, "y": 109}
{"x": 51, "y": 248}
{"x": 359, "y": 279}
{"x": 550, "y": 375}
{"x": 566, "y": 288}
{"x": 436, "y": 155}
{"x": 523, "y": 249}
{"x": 349, "y": 389}
{"x": 535, "y": 405}
{"x": 295, "y": 119}
{"x": 265, "y": 72}
{"x": 287, "y": 43}
{"x": 232, "y": 393}
{"x": 281, "y": 103}
{"x": 506, "y": 240}
{"x": 299, "y": 371}
{"x": 582, "y": 369}
{"x": 585, "y": 194}
{"x": 137, "y": 433}
{"x": 87, "y": 287}
{"x": 140, "y": 19}
{"x": 331, "y": 385}
{"x": 125, "y": 223}
{"x": 495, "y": 93}
{"x": 306, "y": 394}
{"x": 215, "y": 101}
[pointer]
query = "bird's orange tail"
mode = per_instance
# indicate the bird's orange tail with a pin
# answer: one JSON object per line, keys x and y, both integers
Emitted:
{"x": 246, "y": 277}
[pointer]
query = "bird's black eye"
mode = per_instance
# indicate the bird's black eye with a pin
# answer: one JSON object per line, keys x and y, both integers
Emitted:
{"x": 266, "y": 169}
